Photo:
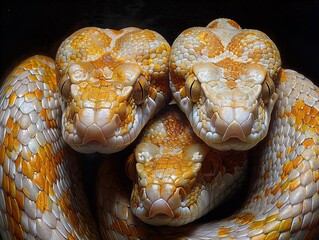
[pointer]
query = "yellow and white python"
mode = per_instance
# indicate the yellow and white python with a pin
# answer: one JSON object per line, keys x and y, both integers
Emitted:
{"x": 229, "y": 83}
{"x": 95, "y": 97}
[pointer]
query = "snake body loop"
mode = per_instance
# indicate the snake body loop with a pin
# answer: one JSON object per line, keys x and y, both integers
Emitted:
{"x": 242, "y": 111}
{"x": 229, "y": 83}
{"x": 283, "y": 195}
{"x": 41, "y": 194}
{"x": 95, "y": 97}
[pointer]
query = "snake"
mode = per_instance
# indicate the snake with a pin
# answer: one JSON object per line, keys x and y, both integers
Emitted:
{"x": 176, "y": 179}
{"x": 230, "y": 85}
{"x": 242, "y": 110}
{"x": 95, "y": 97}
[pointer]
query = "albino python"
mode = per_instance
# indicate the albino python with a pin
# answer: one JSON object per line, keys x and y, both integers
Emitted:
{"x": 97, "y": 96}
{"x": 230, "y": 85}
{"x": 177, "y": 179}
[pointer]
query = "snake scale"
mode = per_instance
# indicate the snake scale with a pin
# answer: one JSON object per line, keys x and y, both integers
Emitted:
{"x": 105, "y": 87}
{"x": 96, "y": 96}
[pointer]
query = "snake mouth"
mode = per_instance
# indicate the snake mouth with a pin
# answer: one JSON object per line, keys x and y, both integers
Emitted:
{"x": 161, "y": 207}
{"x": 233, "y": 123}
{"x": 241, "y": 132}
{"x": 90, "y": 130}
{"x": 173, "y": 208}
{"x": 99, "y": 130}
{"x": 96, "y": 126}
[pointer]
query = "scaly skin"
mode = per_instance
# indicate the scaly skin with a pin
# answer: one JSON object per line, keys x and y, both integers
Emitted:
{"x": 96, "y": 97}
{"x": 223, "y": 78}
{"x": 37, "y": 174}
{"x": 230, "y": 85}
{"x": 111, "y": 83}
{"x": 283, "y": 201}
{"x": 227, "y": 82}
{"x": 176, "y": 179}
{"x": 283, "y": 197}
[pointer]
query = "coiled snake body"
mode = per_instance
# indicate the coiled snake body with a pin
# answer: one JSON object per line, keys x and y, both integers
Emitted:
{"x": 104, "y": 88}
{"x": 229, "y": 83}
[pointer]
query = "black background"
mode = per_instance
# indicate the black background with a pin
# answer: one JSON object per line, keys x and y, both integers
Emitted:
{"x": 38, "y": 27}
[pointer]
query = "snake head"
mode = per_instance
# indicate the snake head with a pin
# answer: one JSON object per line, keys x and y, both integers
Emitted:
{"x": 176, "y": 177}
{"x": 111, "y": 83}
{"x": 167, "y": 173}
{"x": 103, "y": 106}
{"x": 229, "y": 112}
{"x": 167, "y": 181}
{"x": 224, "y": 79}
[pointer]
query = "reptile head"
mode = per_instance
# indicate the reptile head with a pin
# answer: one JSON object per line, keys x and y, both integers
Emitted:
{"x": 225, "y": 83}
{"x": 109, "y": 89}
{"x": 176, "y": 177}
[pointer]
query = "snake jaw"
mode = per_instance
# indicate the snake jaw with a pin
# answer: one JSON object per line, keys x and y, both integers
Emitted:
{"x": 233, "y": 123}
{"x": 166, "y": 204}
{"x": 96, "y": 125}
{"x": 159, "y": 207}
{"x": 124, "y": 132}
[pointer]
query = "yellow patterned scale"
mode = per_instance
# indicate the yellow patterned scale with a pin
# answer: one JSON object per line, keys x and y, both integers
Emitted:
{"x": 97, "y": 95}
{"x": 104, "y": 88}
{"x": 229, "y": 83}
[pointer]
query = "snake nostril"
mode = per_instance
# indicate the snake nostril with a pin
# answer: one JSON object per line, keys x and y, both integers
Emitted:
{"x": 79, "y": 126}
{"x": 122, "y": 111}
{"x": 177, "y": 199}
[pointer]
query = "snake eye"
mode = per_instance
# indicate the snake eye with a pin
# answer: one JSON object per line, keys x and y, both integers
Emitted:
{"x": 268, "y": 89}
{"x": 196, "y": 152}
{"x": 140, "y": 90}
{"x": 192, "y": 88}
{"x": 81, "y": 71}
{"x": 145, "y": 152}
{"x": 65, "y": 87}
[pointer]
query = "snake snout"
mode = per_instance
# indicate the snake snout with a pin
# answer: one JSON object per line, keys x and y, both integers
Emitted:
{"x": 96, "y": 125}
{"x": 233, "y": 123}
{"x": 160, "y": 207}
{"x": 166, "y": 202}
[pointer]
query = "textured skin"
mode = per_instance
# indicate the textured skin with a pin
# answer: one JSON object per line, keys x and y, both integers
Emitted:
{"x": 218, "y": 79}
{"x": 37, "y": 196}
{"x": 283, "y": 199}
{"x": 223, "y": 78}
{"x": 97, "y": 96}
{"x": 112, "y": 82}
{"x": 176, "y": 179}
